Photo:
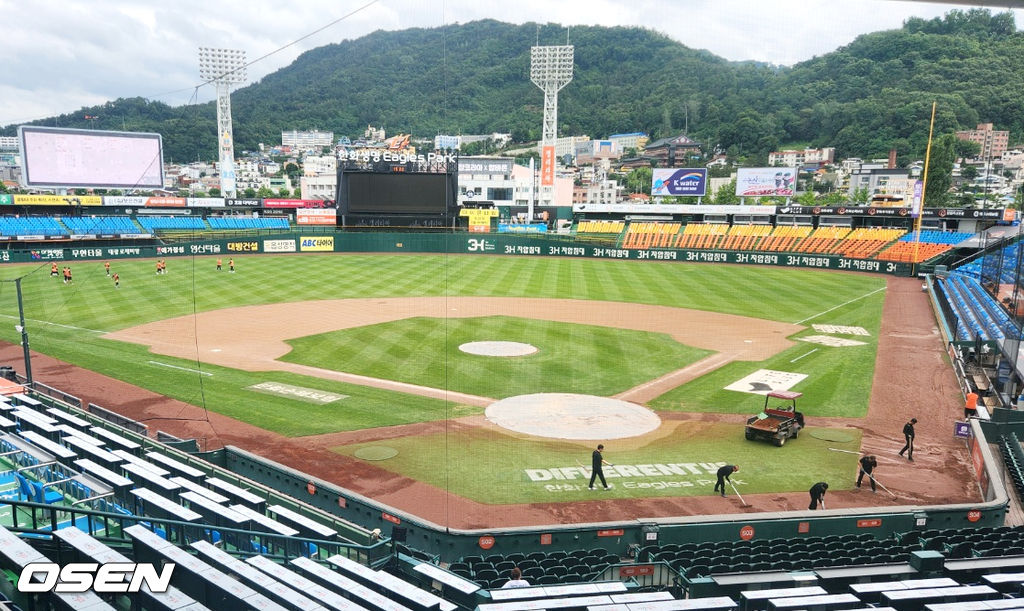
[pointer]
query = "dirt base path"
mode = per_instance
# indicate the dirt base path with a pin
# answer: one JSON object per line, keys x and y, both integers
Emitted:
{"x": 911, "y": 379}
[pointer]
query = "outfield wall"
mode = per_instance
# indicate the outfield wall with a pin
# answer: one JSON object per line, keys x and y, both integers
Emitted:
{"x": 452, "y": 243}
{"x": 617, "y": 537}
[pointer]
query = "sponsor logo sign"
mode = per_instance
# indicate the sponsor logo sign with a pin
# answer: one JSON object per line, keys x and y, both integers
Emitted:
{"x": 840, "y": 330}
{"x": 58, "y": 200}
{"x": 973, "y": 515}
{"x": 485, "y": 166}
{"x": 6, "y": 199}
{"x": 961, "y": 430}
{"x": 126, "y": 200}
{"x": 317, "y": 244}
{"x": 204, "y": 202}
{"x": 869, "y": 523}
{"x": 278, "y": 245}
{"x": 246, "y": 246}
{"x": 763, "y": 381}
{"x": 316, "y": 216}
{"x": 486, "y": 542}
{"x": 613, "y": 532}
{"x": 309, "y": 395}
{"x": 522, "y": 228}
{"x": 660, "y": 476}
{"x": 689, "y": 182}
{"x": 747, "y": 532}
{"x": 827, "y": 340}
{"x": 236, "y": 202}
{"x": 674, "y": 209}
{"x": 166, "y": 202}
{"x": 106, "y": 578}
{"x": 547, "y": 166}
{"x": 754, "y": 182}
{"x": 294, "y": 203}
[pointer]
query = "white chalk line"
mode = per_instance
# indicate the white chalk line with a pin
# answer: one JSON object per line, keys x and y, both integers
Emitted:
{"x": 803, "y": 355}
{"x": 55, "y": 324}
{"x": 800, "y": 322}
{"x": 202, "y": 373}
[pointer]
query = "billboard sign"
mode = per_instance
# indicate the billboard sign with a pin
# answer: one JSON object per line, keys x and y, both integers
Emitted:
{"x": 685, "y": 182}
{"x": 58, "y": 200}
{"x": 62, "y": 157}
{"x": 547, "y": 166}
{"x": 295, "y": 203}
{"x": 755, "y": 182}
{"x": 316, "y": 216}
{"x": 317, "y": 244}
{"x": 235, "y": 202}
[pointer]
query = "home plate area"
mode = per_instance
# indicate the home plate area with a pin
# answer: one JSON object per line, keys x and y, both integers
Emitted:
{"x": 572, "y": 416}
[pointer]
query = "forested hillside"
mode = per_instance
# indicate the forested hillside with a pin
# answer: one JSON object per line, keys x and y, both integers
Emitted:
{"x": 865, "y": 98}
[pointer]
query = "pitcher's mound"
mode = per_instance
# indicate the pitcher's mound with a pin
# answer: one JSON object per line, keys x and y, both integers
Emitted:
{"x": 570, "y": 416}
{"x": 498, "y": 348}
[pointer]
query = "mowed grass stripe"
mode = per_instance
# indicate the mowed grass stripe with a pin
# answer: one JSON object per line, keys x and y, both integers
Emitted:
{"x": 571, "y": 358}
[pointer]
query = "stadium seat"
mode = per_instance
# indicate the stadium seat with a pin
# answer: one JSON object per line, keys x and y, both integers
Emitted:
{"x": 42, "y": 495}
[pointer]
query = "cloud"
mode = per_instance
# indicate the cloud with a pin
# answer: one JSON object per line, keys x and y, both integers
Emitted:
{"x": 64, "y": 55}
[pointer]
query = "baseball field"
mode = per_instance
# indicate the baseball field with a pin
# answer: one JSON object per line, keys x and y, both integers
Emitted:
{"x": 359, "y": 360}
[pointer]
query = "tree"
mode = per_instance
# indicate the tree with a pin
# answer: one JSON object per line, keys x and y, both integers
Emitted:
{"x": 297, "y": 193}
{"x": 214, "y": 192}
{"x": 860, "y": 197}
{"x": 249, "y": 192}
{"x": 283, "y": 193}
{"x": 807, "y": 198}
{"x": 940, "y": 171}
{"x": 726, "y": 194}
{"x": 264, "y": 193}
{"x": 639, "y": 180}
{"x": 967, "y": 149}
{"x": 969, "y": 172}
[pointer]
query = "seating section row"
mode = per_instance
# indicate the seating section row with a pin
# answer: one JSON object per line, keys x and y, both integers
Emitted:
{"x": 46, "y": 226}
{"x": 979, "y": 317}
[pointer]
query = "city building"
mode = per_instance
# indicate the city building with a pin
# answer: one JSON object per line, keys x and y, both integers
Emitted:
{"x": 8, "y": 143}
{"x": 878, "y": 179}
{"x": 565, "y": 145}
{"x": 675, "y": 152}
{"x": 443, "y": 143}
{"x": 993, "y": 142}
{"x": 632, "y": 140}
{"x": 589, "y": 151}
{"x": 322, "y": 186}
{"x": 486, "y": 179}
{"x": 806, "y": 157}
{"x": 316, "y": 165}
{"x": 305, "y": 140}
{"x": 602, "y": 192}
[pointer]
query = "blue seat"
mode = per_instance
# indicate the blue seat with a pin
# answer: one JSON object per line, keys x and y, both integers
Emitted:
{"x": 42, "y": 495}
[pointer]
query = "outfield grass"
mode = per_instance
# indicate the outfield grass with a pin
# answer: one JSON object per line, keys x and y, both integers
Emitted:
{"x": 570, "y": 358}
{"x": 67, "y": 321}
{"x": 500, "y": 462}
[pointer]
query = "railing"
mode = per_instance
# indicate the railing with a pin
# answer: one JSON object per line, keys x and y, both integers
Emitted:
{"x": 40, "y": 520}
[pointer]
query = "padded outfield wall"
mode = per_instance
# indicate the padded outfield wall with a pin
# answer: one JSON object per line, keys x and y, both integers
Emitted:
{"x": 483, "y": 244}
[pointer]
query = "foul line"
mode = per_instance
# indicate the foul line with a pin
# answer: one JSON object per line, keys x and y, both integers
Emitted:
{"x": 839, "y": 306}
{"x": 202, "y": 373}
{"x": 55, "y": 324}
{"x": 803, "y": 355}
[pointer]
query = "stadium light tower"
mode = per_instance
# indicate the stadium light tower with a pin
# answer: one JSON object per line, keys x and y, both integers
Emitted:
{"x": 223, "y": 68}
{"x": 551, "y": 70}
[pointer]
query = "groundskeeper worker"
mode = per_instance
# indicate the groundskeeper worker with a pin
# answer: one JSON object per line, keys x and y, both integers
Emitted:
{"x": 908, "y": 432}
{"x": 723, "y": 474}
{"x": 867, "y": 465}
{"x": 596, "y": 469}
{"x": 818, "y": 495}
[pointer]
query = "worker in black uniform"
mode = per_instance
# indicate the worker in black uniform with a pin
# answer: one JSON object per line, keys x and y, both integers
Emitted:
{"x": 908, "y": 432}
{"x": 867, "y": 465}
{"x": 818, "y": 495}
{"x": 723, "y": 474}
{"x": 596, "y": 469}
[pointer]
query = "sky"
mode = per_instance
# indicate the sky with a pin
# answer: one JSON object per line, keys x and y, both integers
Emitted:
{"x": 61, "y": 55}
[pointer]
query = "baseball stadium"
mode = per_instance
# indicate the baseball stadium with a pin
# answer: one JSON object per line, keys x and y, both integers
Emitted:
{"x": 396, "y": 399}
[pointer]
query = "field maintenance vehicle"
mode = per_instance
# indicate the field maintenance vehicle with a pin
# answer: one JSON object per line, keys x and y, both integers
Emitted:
{"x": 779, "y": 423}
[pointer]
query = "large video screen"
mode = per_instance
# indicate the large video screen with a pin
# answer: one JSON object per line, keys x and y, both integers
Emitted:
{"x": 370, "y": 193}
{"x": 58, "y": 157}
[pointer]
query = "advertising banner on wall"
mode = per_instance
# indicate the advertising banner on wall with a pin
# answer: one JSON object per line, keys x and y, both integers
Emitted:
{"x": 479, "y": 219}
{"x": 685, "y": 181}
{"x": 317, "y": 244}
{"x": 127, "y": 200}
{"x": 279, "y": 245}
{"x": 205, "y": 202}
{"x": 166, "y": 202}
{"x": 58, "y": 200}
{"x": 753, "y": 182}
{"x": 294, "y": 203}
{"x": 316, "y": 216}
{"x": 235, "y": 202}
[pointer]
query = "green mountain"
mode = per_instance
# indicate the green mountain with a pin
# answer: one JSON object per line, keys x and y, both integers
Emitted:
{"x": 865, "y": 98}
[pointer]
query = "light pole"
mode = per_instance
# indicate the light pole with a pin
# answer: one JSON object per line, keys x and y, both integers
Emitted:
{"x": 551, "y": 70}
{"x": 223, "y": 68}
{"x": 24, "y": 333}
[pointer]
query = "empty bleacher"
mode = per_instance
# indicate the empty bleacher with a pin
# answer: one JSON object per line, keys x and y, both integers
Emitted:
{"x": 90, "y": 225}
{"x": 978, "y": 315}
{"x": 600, "y": 227}
{"x": 651, "y": 235}
{"x": 239, "y": 223}
{"x": 31, "y": 226}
